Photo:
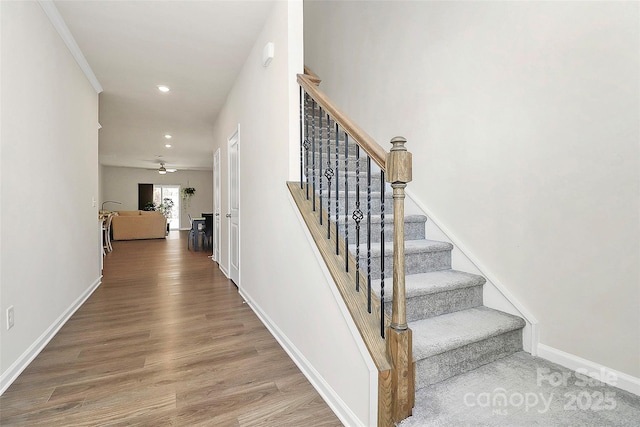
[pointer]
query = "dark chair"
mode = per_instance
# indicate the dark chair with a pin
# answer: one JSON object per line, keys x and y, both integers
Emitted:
{"x": 197, "y": 231}
{"x": 208, "y": 231}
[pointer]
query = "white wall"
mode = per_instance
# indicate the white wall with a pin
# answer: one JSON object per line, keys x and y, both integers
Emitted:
{"x": 523, "y": 122}
{"x": 279, "y": 275}
{"x": 121, "y": 184}
{"x": 50, "y": 236}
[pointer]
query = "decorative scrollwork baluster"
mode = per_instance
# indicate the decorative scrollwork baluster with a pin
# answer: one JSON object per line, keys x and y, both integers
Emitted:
{"x": 346, "y": 202}
{"x": 357, "y": 217}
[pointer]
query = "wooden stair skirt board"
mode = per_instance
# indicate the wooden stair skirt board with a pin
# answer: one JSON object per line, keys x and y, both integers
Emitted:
{"x": 368, "y": 324}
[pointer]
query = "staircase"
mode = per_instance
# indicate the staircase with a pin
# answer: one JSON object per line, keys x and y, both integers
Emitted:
{"x": 452, "y": 331}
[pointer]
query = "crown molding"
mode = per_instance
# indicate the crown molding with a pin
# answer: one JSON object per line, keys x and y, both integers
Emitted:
{"x": 62, "y": 29}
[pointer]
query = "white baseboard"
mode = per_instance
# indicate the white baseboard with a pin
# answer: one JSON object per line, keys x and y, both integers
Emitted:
{"x": 224, "y": 270}
{"x": 337, "y": 405}
{"x": 595, "y": 370}
{"x": 10, "y": 375}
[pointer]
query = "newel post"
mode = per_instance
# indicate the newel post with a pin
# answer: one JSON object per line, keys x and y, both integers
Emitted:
{"x": 399, "y": 340}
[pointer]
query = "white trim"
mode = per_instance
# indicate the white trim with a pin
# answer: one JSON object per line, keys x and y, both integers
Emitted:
{"x": 217, "y": 209}
{"x": 337, "y": 405}
{"x": 10, "y": 375}
{"x": 61, "y": 27}
{"x": 486, "y": 272}
{"x": 364, "y": 352}
{"x": 224, "y": 270}
{"x": 595, "y": 370}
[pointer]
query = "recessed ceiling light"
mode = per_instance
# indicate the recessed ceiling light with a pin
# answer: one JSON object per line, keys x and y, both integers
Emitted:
{"x": 167, "y": 145}
{"x": 168, "y": 136}
{"x": 163, "y": 88}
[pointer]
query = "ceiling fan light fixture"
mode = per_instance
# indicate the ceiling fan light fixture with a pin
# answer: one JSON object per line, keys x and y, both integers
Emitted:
{"x": 162, "y": 169}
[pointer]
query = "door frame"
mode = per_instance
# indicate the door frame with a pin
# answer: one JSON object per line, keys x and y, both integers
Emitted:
{"x": 234, "y": 139}
{"x": 216, "y": 207}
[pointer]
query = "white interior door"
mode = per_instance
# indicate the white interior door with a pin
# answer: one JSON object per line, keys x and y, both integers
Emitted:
{"x": 216, "y": 206}
{"x": 234, "y": 207}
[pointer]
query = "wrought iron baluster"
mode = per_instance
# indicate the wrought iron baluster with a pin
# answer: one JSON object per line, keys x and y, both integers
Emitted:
{"x": 368, "y": 234}
{"x": 329, "y": 174}
{"x": 313, "y": 151}
{"x": 307, "y": 144}
{"x": 382, "y": 185}
{"x": 301, "y": 132}
{"x": 320, "y": 113}
{"x": 346, "y": 202}
{"x": 337, "y": 190}
{"x": 357, "y": 217}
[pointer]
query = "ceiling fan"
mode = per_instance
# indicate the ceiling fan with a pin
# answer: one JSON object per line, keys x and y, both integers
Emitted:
{"x": 162, "y": 170}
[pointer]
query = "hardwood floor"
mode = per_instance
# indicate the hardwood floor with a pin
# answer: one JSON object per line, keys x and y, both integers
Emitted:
{"x": 166, "y": 340}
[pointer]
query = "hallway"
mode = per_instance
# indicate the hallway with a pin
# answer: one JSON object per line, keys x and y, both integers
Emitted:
{"x": 166, "y": 340}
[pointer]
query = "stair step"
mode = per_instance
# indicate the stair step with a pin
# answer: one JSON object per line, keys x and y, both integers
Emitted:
{"x": 437, "y": 292}
{"x": 421, "y": 256}
{"x": 414, "y": 228}
{"x": 450, "y": 344}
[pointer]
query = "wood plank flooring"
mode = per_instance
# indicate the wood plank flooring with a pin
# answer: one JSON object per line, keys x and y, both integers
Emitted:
{"x": 166, "y": 340}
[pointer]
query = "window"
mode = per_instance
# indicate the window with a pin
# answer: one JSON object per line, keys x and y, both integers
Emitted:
{"x": 172, "y": 193}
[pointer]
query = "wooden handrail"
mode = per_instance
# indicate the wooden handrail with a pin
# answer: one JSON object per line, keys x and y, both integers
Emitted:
{"x": 393, "y": 356}
{"x": 313, "y": 77}
{"x": 366, "y": 142}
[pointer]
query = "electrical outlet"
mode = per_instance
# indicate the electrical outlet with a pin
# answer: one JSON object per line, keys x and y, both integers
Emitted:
{"x": 11, "y": 318}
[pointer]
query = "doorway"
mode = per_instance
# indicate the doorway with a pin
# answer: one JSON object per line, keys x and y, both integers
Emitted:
{"x": 172, "y": 194}
{"x": 216, "y": 208}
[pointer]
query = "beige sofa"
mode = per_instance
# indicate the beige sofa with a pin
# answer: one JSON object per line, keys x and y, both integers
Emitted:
{"x": 131, "y": 225}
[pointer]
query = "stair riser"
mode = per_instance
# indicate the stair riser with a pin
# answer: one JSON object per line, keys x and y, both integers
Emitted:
{"x": 448, "y": 364}
{"x": 419, "y": 262}
{"x": 412, "y": 231}
{"x": 426, "y": 306}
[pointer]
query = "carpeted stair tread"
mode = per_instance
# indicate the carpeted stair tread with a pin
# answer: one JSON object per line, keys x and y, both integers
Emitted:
{"x": 432, "y": 282}
{"x": 450, "y": 331}
{"x": 410, "y": 247}
{"x": 388, "y": 218}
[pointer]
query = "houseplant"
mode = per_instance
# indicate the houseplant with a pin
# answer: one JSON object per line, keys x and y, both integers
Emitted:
{"x": 166, "y": 207}
{"x": 187, "y": 193}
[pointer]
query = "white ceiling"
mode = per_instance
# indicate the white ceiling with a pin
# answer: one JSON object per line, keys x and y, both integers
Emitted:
{"x": 195, "y": 47}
